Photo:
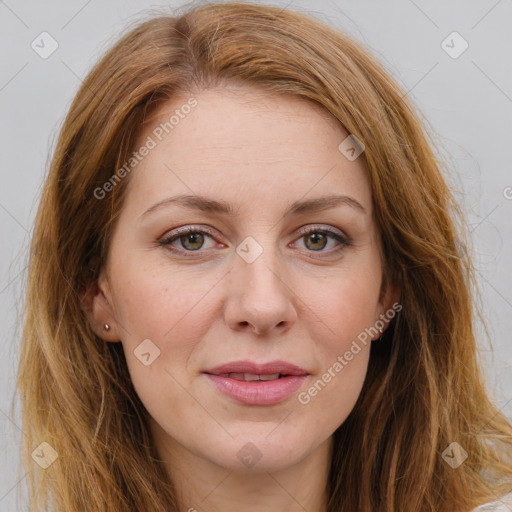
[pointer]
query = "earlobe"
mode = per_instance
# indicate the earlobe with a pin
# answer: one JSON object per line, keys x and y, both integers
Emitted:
{"x": 99, "y": 311}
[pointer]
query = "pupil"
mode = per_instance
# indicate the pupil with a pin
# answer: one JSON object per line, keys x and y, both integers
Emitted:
{"x": 316, "y": 237}
{"x": 192, "y": 238}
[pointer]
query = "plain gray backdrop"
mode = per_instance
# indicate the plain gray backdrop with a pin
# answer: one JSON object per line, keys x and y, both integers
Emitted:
{"x": 465, "y": 95}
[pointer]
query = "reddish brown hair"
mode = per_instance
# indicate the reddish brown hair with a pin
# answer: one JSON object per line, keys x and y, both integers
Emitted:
{"x": 424, "y": 388}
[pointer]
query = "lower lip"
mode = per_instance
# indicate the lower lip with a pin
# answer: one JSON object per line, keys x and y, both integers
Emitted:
{"x": 258, "y": 392}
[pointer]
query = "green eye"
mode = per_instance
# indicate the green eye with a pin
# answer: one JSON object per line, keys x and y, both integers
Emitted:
{"x": 192, "y": 240}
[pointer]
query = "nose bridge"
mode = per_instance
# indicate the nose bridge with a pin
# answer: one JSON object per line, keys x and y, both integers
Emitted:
{"x": 259, "y": 263}
{"x": 258, "y": 293}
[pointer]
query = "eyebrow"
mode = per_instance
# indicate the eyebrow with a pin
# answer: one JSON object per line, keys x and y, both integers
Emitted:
{"x": 209, "y": 205}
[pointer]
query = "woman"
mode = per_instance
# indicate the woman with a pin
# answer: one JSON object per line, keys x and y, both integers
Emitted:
{"x": 246, "y": 288}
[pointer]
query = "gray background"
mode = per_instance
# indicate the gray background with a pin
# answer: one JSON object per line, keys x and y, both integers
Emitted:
{"x": 467, "y": 103}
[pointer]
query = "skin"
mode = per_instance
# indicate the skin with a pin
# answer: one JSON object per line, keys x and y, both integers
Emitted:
{"x": 299, "y": 301}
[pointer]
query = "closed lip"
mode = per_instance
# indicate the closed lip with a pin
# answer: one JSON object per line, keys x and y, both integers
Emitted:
{"x": 281, "y": 367}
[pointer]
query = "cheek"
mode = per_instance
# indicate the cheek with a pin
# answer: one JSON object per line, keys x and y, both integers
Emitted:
{"x": 346, "y": 308}
{"x": 169, "y": 307}
{"x": 155, "y": 300}
{"x": 346, "y": 305}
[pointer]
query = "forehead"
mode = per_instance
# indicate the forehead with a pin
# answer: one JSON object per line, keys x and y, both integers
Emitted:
{"x": 246, "y": 146}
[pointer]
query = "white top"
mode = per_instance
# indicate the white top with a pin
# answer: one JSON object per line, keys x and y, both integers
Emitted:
{"x": 504, "y": 504}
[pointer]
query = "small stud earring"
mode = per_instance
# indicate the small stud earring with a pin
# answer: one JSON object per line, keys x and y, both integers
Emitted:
{"x": 106, "y": 327}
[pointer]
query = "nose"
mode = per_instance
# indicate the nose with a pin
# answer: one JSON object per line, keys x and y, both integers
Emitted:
{"x": 260, "y": 300}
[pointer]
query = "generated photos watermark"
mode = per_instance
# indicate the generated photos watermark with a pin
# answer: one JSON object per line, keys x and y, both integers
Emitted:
{"x": 343, "y": 360}
{"x": 150, "y": 143}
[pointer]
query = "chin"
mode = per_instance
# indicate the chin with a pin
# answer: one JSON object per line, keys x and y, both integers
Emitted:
{"x": 262, "y": 453}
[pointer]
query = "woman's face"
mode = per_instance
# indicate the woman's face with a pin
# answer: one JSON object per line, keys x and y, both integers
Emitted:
{"x": 239, "y": 336}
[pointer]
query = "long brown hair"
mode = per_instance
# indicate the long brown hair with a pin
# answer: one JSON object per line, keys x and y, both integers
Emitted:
{"x": 424, "y": 388}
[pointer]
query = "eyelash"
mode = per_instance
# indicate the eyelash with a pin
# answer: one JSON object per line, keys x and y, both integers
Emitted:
{"x": 166, "y": 241}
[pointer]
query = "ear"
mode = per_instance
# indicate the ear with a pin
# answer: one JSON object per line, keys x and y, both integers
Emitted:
{"x": 97, "y": 306}
{"x": 389, "y": 302}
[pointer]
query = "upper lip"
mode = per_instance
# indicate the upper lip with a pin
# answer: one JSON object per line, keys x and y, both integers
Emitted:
{"x": 272, "y": 367}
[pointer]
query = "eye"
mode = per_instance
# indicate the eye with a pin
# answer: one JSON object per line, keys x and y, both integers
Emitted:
{"x": 190, "y": 238}
{"x": 317, "y": 239}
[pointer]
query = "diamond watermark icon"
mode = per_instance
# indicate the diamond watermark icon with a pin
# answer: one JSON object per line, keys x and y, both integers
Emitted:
{"x": 249, "y": 250}
{"x": 146, "y": 352}
{"x": 249, "y": 455}
{"x": 44, "y": 455}
{"x": 455, "y": 455}
{"x": 44, "y": 45}
{"x": 351, "y": 147}
{"x": 454, "y": 45}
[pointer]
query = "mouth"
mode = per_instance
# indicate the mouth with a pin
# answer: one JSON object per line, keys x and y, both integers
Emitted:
{"x": 273, "y": 369}
{"x": 251, "y": 377}
{"x": 250, "y": 383}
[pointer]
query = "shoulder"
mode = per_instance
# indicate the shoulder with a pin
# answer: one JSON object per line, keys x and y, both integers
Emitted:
{"x": 504, "y": 504}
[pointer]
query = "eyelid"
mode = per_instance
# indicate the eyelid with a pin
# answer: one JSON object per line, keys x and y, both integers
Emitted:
{"x": 190, "y": 228}
{"x": 320, "y": 227}
{"x": 175, "y": 234}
